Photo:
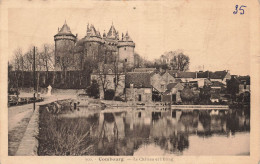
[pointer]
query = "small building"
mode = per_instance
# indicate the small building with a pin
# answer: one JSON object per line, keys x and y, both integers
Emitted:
{"x": 160, "y": 80}
{"x": 220, "y": 76}
{"x": 244, "y": 84}
{"x": 172, "y": 93}
{"x": 138, "y": 87}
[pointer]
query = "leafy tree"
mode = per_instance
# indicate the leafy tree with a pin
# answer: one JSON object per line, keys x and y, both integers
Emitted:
{"x": 175, "y": 60}
{"x": 205, "y": 95}
{"x": 187, "y": 95}
{"x": 180, "y": 62}
{"x": 233, "y": 87}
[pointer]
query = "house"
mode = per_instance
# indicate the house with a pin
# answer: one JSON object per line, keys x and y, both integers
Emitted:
{"x": 160, "y": 80}
{"x": 244, "y": 84}
{"x": 138, "y": 87}
{"x": 173, "y": 92}
{"x": 220, "y": 76}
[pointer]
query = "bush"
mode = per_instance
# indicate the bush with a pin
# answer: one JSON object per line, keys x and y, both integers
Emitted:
{"x": 109, "y": 94}
{"x": 93, "y": 89}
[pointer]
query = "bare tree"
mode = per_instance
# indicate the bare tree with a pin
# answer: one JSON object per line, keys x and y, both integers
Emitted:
{"x": 118, "y": 73}
{"x": 18, "y": 60}
{"x": 102, "y": 77}
{"x": 46, "y": 57}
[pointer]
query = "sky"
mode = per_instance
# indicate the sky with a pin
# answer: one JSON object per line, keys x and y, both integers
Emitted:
{"x": 207, "y": 31}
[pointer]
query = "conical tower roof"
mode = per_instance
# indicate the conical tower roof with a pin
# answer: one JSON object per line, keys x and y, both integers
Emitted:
{"x": 127, "y": 37}
{"x": 65, "y": 30}
{"x": 93, "y": 34}
{"x": 112, "y": 33}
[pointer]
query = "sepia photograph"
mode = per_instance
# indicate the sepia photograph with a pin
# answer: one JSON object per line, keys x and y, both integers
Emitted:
{"x": 130, "y": 81}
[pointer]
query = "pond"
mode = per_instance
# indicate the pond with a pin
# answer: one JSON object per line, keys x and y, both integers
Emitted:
{"x": 147, "y": 131}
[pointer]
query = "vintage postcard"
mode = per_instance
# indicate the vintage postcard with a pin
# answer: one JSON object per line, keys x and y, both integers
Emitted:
{"x": 130, "y": 81}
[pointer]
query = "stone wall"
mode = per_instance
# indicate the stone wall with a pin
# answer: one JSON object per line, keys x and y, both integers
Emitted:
{"x": 134, "y": 94}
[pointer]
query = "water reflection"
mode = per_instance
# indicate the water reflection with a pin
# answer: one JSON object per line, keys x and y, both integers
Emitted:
{"x": 130, "y": 131}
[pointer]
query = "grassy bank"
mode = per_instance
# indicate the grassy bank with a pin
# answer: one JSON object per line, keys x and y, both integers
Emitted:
{"x": 64, "y": 136}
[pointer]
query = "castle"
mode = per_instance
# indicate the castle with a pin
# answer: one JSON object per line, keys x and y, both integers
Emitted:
{"x": 72, "y": 53}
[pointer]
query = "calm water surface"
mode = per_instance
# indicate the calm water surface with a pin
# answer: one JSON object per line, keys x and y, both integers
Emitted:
{"x": 147, "y": 131}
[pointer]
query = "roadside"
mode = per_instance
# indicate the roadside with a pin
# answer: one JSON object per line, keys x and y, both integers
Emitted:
{"x": 18, "y": 119}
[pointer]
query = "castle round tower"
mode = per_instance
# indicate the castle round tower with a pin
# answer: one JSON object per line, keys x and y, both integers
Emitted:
{"x": 92, "y": 43}
{"x": 126, "y": 48}
{"x": 64, "y": 45}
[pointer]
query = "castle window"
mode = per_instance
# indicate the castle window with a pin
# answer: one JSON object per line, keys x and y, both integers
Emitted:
{"x": 125, "y": 60}
{"x": 125, "y": 49}
{"x": 89, "y": 45}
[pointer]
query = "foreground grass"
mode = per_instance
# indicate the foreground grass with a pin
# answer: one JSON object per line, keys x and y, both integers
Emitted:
{"x": 64, "y": 136}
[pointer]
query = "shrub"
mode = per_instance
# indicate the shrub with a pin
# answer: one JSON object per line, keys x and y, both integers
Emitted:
{"x": 93, "y": 89}
{"x": 109, "y": 94}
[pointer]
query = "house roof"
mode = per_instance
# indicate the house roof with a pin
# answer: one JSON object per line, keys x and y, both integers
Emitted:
{"x": 166, "y": 92}
{"x": 174, "y": 85}
{"x": 207, "y": 82}
{"x": 243, "y": 79}
{"x": 203, "y": 74}
{"x": 216, "y": 84}
{"x": 178, "y": 80}
{"x": 139, "y": 79}
{"x": 186, "y": 75}
{"x": 171, "y": 85}
{"x": 173, "y": 72}
{"x": 144, "y": 69}
{"x": 218, "y": 75}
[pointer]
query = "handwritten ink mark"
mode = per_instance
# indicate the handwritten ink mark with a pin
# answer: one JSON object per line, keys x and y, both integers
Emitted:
{"x": 240, "y": 9}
